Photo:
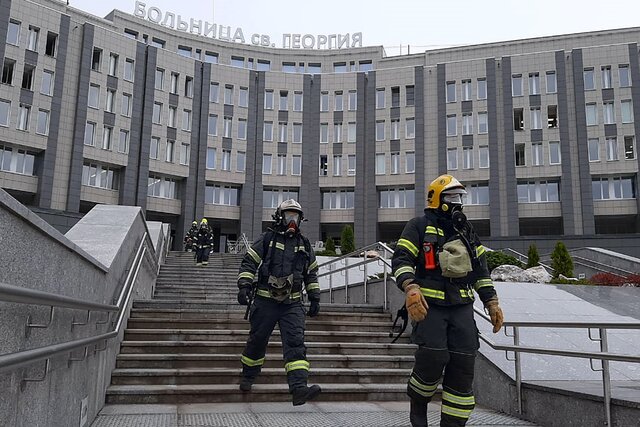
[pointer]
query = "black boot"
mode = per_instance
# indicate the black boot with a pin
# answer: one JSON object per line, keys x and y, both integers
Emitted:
{"x": 303, "y": 394}
{"x": 418, "y": 414}
{"x": 245, "y": 384}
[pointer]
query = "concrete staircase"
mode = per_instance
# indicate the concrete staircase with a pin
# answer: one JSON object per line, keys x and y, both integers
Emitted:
{"x": 184, "y": 346}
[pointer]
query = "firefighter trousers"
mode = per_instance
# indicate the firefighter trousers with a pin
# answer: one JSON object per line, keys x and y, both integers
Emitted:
{"x": 202, "y": 255}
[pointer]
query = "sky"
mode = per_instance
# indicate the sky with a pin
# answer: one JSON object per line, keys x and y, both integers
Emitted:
{"x": 420, "y": 24}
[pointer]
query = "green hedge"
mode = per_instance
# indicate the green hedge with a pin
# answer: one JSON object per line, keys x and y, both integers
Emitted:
{"x": 497, "y": 258}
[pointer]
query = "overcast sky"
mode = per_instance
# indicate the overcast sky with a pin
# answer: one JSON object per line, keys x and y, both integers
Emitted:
{"x": 422, "y": 24}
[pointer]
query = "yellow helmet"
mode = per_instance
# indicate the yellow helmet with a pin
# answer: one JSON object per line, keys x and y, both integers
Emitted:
{"x": 194, "y": 223}
{"x": 204, "y": 221}
{"x": 441, "y": 186}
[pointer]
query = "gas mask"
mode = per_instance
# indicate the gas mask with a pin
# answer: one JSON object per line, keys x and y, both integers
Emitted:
{"x": 451, "y": 203}
{"x": 291, "y": 220}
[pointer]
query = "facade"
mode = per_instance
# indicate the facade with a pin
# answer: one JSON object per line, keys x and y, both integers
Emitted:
{"x": 122, "y": 110}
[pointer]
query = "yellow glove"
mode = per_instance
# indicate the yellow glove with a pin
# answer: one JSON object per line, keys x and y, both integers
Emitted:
{"x": 497, "y": 317}
{"x": 415, "y": 302}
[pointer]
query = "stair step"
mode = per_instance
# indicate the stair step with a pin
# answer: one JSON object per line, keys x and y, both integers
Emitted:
{"x": 194, "y": 313}
{"x": 238, "y": 323}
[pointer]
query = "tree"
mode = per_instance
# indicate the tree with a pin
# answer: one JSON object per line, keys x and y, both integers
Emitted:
{"x": 330, "y": 246}
{"x": 561, "y": 261}
{"x": 347, "y": 244}
{"x": 533, "y": 259}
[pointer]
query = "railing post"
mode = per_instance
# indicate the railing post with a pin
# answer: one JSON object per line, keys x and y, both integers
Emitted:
{"x": 384, "y": 278}
{"x": 606, "y": 379}
{"x": 330, "y": 284}
{"x": 516, "y": 342}
{"x": 365, "y": 278}
{"x": 346, "y": 281}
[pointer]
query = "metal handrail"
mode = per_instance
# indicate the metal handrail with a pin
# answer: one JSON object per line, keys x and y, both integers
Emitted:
{"x": 17, "y": 294}
{"x": 27, "y": 357}
{"x": 548, "y": 267}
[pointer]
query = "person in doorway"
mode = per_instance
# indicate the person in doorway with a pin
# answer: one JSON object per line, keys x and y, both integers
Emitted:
{"x": 283, "y": 263}
{"x": 439, "y": 262}
{"x": 190, "y": 237}
{"x": 204, "y": 240}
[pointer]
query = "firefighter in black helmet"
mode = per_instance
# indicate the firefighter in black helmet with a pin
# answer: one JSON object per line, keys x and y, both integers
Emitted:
{"x": 283, "y": 263}
{"x": 190, "y": 237}
{"x": 439, "y": 262}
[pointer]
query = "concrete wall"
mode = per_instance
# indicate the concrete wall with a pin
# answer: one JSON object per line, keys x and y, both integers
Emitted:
{"x": 89, "y": 263}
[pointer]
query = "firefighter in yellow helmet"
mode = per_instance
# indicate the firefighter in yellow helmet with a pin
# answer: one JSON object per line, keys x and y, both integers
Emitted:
{"x": 439, "y": 262}
{"x": 204, "y": 243}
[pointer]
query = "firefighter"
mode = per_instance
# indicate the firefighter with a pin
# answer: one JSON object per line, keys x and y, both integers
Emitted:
{"x": 439, "y": 262}
{"x": 283, "y": 263}
{"x": 203, "y": 241}
{"x": 190, "y": 237}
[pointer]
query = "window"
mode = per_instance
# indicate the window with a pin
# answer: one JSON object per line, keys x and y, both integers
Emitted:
{"x": 611, "y": 145}
{"x": 606, "y": 77}
{"x": 16, "y": 161}
{"x": 534, "y": 83}
{"x": 324, "y": 101}
{"x": 214, "y": 90}
{"x": 483, "y": 153}
{"x": 395, "y": 163}
{"x": 351, "y": 132}
{"x": 154, "y": 147}
{"x": 627, "y": 111}
{"x": 337, "y": 132}
{"x": 156, "y": 42}
{"x": 46, "y": 86}
{"x": 94, "y": 96}
{"x": 339, "y": 101}
{"x": 266, "y": 164}
{"x": 466, "y": 90}
{"x": 211, "y": 158}
{"x": 184, "y": 51}
{"x": 351, "y": 164}
{"x": 27, "y": 76}
{"x": 24, "y": 115}
{"x": 353, "y": 100}
{"x": 380, "y": 98}
{"x": 613, "y": 188}
{"x": 410, "y": 128}
{"x": 625, "y": 76}
{"x": 395, "y": 97}
{"x": 552, "y": 116}
{"x": 243, "y": 97}
{"x": 533, "y": 191}
{"x": 169, "y": 152}
{"x": 552, "y": 85}
{"x": 226, "y": 160}
{"x": 188, "y": 87}
{"x": 107, "y": 137}
{"x": 589, "y": 81}
{"x": 96, "y": 59}
{"x": 380, "y": 130}
{"x": 452, "y": 125}
{"x": 592, "y": 114}
{"x": 283, "y": 101}
{"x": 518, "y": 119}
{"x": 313, "y": 68}
{"x": 43, "y": 122}
{"x": 32, "y": 39}
{"x": 5, "y": 112}
{"x": 324, "y": 132}
{"x": 467, "y": 124}
{"x": 210, "y": 57}
{"x": 337, "y": 165}
{"x": 467, "y": 157}
{"x": 536, "y": 154}
{"x": 131, "y": 34}
{"x": 410, "y": 96}
{"x": 241, "y": 161}
{"x": 110, "y": 101}
{"x": 341, "y": 199}
{"x": 129, "y": 66}
{"x": 268, "y": 100}
{"x": 186, "y": 120}
{"x": 157, "y": 113}
{"x": 289, "y": 67}
{"x": 296, "y": 165}
{"x": 452, "y": 158}
{"x": 90, "y": 134}
{"x": 123, "y": 143}
{"x": 173, "y": 113}
{"x": 162, "y": 187}
{"x": 516, "y": 85}
{"x": 397, "y": 198}
{"x": 554, "y": 152}
{"x": 126, "y": 105}
{"x": 629, "y": 148}
{"x": 520, "y": 155}
{"x": 608, "y": 113}
{"x": 242, "y": 129}
{"x": 410, "y": 166}
{"x": 395, "y": 129}
{"x": 237, "y": 61}
{"x": 282, "y": 131}
{"x": 536, "y": 118}
{"x": 297, "y": 101}
{"x": 213, "y": 125}
{"x": 297, "y": 133}
{"x": 483, "y": 123}
{"x": 159, "y": 82}
{"x": 100, "y": 176}
{"x": 594, "y": 149}
{"x": 339, "y": 67}
{"x": 263, "y": 65}
{"x": 380, "y": 164}
{"x": 482, "y": 88}
{"x": 267, "y": 132}
{"x": 227, "y": 127}
{"x": 451, "y": 91}
{"x": 7, "y": 71}
{"x": 477, "y": 194}
{"x": 13, "y": 33}
{"x": 50, "y": 47}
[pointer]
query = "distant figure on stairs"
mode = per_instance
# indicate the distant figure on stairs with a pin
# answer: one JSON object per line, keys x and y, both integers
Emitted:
{"x": 204, "y": 241}
{"x": 287, "y": 263}
{"x": 190, "y": 237}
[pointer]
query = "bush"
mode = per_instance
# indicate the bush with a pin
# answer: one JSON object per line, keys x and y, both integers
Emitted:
{"x": 326, "y": 253}
{"x": 610, "y": 279}
{"x": 347, "y": 244}
{"x": 559, "y": 281}
{"x": 561, "y": 261}
{"x": 497, "y": 258}
{"x": 330, "y": 246}
{"x": 533, "y": 259}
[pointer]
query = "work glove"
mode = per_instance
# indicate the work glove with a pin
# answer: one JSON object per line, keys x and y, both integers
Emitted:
{"x": 495, "y": 312}
{"x": 314, "y": 307}
{"x": 415, "y": 303}
{"x": 244, "y": 295}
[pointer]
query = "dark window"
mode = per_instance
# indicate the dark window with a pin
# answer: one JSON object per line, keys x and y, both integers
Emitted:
{"x": 96, "y": 59}
{"x": 410, "y": 96}
{"x": 518, "y": 119}
{"x": 552, "y": 116}
{"x": 395, "y": 97}
{"x": 27, "y": 77}
{"x": 7, "y": 71}
{"x": 52, "y": 40}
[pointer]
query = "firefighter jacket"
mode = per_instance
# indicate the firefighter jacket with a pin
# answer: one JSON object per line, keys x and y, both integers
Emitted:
{"x": 204, "y": 238}
{"x": 429, "y": 233}
{"x": 192, "y": 234}
{"x": 277, "y": 255}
